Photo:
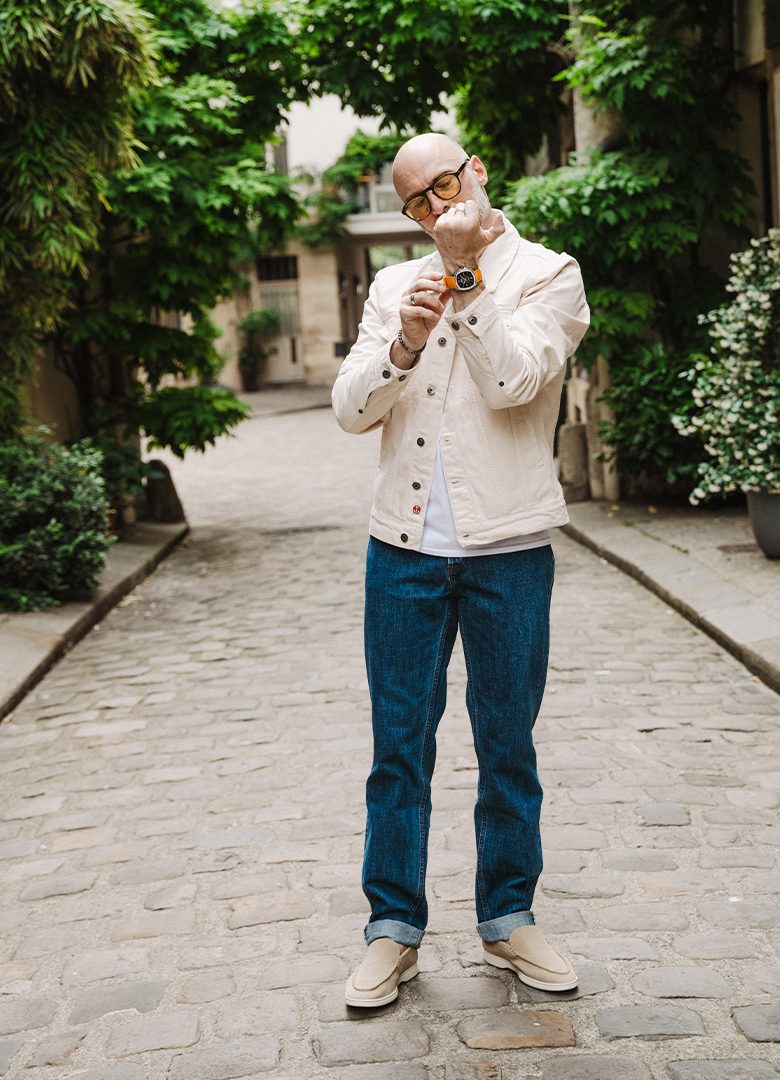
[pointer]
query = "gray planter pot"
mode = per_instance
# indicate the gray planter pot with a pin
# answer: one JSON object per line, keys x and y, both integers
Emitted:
{"x": 764, "y": 510}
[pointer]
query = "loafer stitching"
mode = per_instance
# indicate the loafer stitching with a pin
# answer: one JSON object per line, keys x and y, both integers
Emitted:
{"x": 541, "y": 967}
{"x": 368, "y": 989}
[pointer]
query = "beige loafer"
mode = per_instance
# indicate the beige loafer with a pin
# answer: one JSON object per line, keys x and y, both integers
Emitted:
{"x": 535, "y": 962}
{"x": 384, "y": 966}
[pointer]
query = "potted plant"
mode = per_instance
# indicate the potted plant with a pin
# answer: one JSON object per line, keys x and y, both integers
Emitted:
{"x": 736, "y": 388}
{"x": 259, "y": 327}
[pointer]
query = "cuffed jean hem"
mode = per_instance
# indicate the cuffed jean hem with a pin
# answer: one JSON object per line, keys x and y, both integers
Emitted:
{"x": 402, "y": 932}
{"x": 500, "y": 929}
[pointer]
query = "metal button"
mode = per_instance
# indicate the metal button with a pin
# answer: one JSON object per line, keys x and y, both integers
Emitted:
{"x": 501, "y": 384}
{"x": 472, "y": 319}
{"x": 416, "y": 509}
{"x": 421, "y": 441}
{"x": 360, "y": 410}
{"x": 404, "y": 537}
{"x": 385, "y": 374}
{"x": 455, "y": 326}
{"x": 442, "y": 341}
{"x": 416, "y": 485}
{"x": 431, "y": 390}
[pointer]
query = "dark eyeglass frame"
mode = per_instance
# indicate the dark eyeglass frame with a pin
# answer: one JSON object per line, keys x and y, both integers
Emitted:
{"x": 432, "y": 187}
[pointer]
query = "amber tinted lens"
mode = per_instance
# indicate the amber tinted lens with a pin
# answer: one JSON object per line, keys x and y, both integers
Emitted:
{"x": 417, "y": 208}
{"x": 447, "y": 186}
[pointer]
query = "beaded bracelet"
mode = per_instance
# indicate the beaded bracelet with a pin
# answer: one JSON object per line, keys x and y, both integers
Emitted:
{"x": 412, "y": 352}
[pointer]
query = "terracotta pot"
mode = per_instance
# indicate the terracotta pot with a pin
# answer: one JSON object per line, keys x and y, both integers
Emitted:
{"x": 764, "y": 510}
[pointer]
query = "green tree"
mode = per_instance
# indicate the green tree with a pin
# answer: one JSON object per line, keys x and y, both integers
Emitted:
{"x": 69, "y": 73}
{"x": 199, "y": 199}
{"x": 398, "y": 60}
{"x": 637, "y": 213}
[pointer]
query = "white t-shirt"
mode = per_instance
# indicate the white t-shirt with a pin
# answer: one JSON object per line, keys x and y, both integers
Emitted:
{"x": 440, "y": 536}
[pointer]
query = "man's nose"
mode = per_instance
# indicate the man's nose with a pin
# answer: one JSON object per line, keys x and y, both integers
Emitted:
{"x": 438, "y": 206}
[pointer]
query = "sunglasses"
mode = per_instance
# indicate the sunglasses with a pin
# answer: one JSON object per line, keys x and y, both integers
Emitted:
{"x": 446, "y": 186}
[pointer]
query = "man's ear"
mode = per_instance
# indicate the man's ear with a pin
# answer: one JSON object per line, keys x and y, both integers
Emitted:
{"x": 479, "y": 169}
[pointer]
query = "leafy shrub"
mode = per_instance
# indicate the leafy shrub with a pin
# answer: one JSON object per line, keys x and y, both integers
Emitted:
{"x": 643, "y": 397}
{"x": 53, "y": 540}
{"x": 734, "y": 403}
{"x": 189, "y": 417}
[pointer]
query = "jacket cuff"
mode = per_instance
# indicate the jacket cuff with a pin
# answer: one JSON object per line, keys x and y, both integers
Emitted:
{"x": 470, "y": 317}
{"x": 385, "y": 382}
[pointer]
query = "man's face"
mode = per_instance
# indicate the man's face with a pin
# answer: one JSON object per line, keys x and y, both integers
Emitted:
{"x": 417, "y": 177}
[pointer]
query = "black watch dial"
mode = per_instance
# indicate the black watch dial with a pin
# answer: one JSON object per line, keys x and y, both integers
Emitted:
{"x": 465, "y": 279}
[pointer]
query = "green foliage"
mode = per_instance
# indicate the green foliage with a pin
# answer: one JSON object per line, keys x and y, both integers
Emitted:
{"x": 382, "y": 58}
{"x": 330, "y": 205}
{"x": 643, "y": 397}
{"x": 53, "y": 540}
{"x": 636, "y": 215}
{"x": 181, "y": 220}
{"x": 69, "y": 74}
{"x": 398, "y": 60}
{"x": 734, "y": 406}
{"x": 188, "y": 418}
{"x": 364, "y": 154}
{"x": 265, "y": 322}
{"x": 259, "y": 327}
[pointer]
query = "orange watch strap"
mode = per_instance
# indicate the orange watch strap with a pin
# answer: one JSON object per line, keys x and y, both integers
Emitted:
{"x": 450, "y": 281}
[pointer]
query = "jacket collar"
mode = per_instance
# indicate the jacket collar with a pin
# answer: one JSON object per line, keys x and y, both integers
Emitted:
{"x": 495, "y": 259}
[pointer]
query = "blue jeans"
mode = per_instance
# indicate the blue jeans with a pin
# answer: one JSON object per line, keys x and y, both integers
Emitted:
{"x": 415, "y": 604}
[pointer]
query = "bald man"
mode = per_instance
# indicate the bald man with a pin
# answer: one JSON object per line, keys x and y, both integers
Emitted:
{"x": 460, "y": 359}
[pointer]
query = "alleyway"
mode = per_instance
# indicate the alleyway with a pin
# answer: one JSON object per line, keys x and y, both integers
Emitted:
{"x": 181, "y": 822}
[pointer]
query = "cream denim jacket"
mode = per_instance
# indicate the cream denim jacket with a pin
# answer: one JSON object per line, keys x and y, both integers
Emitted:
{"x": 488, "y": 386}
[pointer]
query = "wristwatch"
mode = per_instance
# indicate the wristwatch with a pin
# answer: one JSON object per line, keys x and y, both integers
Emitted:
{"x": 464, "y": 279}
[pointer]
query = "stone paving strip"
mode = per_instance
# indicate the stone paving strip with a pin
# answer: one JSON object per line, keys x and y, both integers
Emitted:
{"x": 31, "y": 642}
{"x": 181, "y": 822}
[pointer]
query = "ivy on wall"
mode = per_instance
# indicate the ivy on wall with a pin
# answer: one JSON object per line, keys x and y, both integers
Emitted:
{"x": 637, "y": 212}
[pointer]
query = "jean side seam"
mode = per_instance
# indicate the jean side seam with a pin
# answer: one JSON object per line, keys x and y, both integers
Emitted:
{"x": 426, "y": 740}
{"x": 483, "y": 824}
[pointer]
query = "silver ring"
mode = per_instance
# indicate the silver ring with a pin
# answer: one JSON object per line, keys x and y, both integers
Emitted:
{"x": 412, "y": 300}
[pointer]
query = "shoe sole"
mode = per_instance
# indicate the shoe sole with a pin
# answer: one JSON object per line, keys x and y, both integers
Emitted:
{"x": 374, "y": 1003}
{"x": 500, "y": 962}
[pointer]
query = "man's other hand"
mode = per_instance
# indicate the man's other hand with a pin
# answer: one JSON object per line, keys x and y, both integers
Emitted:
{"x": 422, "y": 305}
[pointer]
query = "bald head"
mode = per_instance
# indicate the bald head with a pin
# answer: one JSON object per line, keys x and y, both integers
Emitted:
{"x": 423, "y": 159}
{"x": 426, "y": 151}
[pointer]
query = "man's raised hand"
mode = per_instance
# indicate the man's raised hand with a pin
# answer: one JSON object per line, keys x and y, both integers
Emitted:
{"x": 461, "y": 237}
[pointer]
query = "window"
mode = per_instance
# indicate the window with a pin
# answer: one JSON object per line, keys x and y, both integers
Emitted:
{"x": 277, "y": 268}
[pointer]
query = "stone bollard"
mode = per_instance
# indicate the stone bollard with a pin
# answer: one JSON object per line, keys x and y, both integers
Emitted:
{"x": 162, "y": 502}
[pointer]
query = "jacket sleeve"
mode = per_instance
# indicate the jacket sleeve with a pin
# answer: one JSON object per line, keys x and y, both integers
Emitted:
{"x": 368, "y": 383}
{"x": 512, "y": 355}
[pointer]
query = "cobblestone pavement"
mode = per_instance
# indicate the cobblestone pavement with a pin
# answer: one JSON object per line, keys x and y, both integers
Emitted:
{"x": 181, "y": 822}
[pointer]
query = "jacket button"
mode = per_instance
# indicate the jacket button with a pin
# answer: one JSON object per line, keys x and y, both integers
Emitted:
{"x": 421, "y": 441}
{"x": 404, "y": 537}
{"x": 385, "y": 374}
{"x": 360, "y": 410}
{"x": 401, "y": 378}
{"x": 416, "y": 485}
{"x": 472, "y": 319}
{"x": 455, "y": 326}
{"x": 431, "y": 390}
{"x": 501, "y": 384}
{"x": 442, "y": 341}
{"x": 416, "y": 509}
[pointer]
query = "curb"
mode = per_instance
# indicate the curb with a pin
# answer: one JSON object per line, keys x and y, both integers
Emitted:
{"x": 32, "y": 642}
{"x": 754, "y": 661}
